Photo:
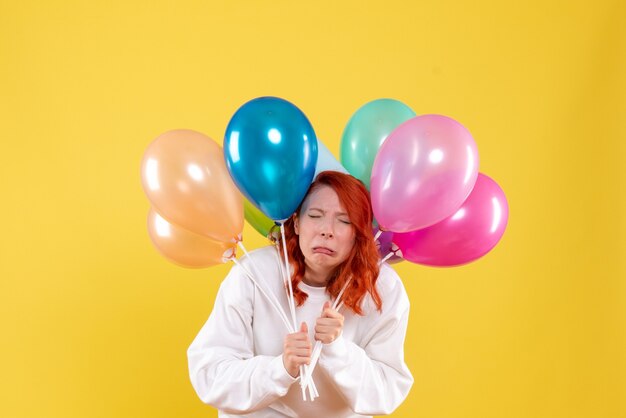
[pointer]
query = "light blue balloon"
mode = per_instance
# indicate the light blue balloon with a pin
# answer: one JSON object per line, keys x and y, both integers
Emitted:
{"x": 326, "y": 161}
{"x": 271, "y": 151}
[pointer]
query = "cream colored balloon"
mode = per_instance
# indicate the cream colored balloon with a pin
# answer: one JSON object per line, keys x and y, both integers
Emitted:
{"x": 185, "y": 177}
{"x": 184, "y": 247}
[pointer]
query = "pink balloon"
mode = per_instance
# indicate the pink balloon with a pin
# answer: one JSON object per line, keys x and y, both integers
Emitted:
{"x": 422, "y": 173}
{"x": 467, "y": 235}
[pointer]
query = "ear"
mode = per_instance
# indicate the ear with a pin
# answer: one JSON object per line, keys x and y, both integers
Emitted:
{"x": 295, "y": 224}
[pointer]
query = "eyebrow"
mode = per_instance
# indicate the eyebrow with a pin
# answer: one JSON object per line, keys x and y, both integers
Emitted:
{"x": 323, "y": 211}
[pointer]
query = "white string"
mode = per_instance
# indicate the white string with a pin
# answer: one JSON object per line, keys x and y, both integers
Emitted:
{"x": 387, "y": 257}
{"x": 378, "y": 234}
{"x": 255, "y": 269}
{"x": 318, "y": 344}
{"x": 292, "y": 306}
{"x": 280, "y": 312}
{"x": 343, "y": 289}
{"x": 282, "y": 316}
{"x": 281, "y": 267}
{"x": 337, "y": 305}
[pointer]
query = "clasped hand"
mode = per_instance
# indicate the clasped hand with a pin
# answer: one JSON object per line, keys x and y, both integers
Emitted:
{"x": 297, "y": 346}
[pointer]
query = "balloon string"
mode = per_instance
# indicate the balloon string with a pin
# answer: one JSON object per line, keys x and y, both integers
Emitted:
{"x": 343, "y": 289}
{"x": 292, "y": 305}
{"x": 276, "y": 305}
{"x": 312, "y": 389}
{"x": 337, "y": 305}
{"x": 255, "y": 269}
{"x": 378, "y": 234}
{"x": 281, "y": 267}
{"x": 280, "y": 312}
{"x": 318, "y": 344}
{"x": 387, "y": 257}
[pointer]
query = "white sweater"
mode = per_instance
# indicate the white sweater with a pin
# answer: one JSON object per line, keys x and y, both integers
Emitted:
{"x": 235, "y": 361}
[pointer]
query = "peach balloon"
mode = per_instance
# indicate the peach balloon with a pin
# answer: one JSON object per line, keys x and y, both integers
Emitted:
{"x": 184, "y": 176}
{"x": 184, "y": 247}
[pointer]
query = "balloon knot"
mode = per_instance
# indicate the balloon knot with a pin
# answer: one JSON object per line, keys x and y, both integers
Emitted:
{"x": 396, "y": 250}
{"x": 229, "y": 255}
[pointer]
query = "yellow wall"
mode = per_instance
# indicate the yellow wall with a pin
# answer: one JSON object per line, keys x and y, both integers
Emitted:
{"x": 95, "y": 323}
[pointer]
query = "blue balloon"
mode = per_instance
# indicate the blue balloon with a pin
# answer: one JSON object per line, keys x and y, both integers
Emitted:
{"x": 271, "y": 151}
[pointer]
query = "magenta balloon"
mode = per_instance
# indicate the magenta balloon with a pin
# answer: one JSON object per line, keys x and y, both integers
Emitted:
{"x": 463, "y": 237}
{"x": 422, "y": 173}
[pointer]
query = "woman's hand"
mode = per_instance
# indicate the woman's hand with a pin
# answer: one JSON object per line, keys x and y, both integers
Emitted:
{"x": 328, "y": 327}
{"x": 297, "y": 350}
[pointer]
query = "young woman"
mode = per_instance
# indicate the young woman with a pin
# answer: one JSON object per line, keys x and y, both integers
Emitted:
{"x": 243, "y": 361}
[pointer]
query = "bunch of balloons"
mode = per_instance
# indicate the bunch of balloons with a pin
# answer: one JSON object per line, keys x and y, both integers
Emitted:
{"x": 196, "y": 218}
{"x": 431, "y": 205}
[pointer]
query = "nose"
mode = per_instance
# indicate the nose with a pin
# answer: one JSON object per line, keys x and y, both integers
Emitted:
{"x": 327, "y": 230}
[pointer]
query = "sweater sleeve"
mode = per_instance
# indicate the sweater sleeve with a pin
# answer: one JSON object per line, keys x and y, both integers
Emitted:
{"x": 223, "y": 368}
{"x": 372, "y": 376}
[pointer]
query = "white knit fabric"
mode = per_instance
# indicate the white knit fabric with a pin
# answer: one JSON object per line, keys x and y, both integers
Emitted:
{"x": 235, "y": 361}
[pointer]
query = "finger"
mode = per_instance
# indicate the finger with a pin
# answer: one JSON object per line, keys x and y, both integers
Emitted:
{"x": 299, "y": 361}
{"x": 298, "y": 336}
{"x": 328, "y": 321}
{"x": 331, "y": 313}
{"x": 324, "y": 338}
{"x": 298, "y": 351}
{"x": 301, "y": 344}
{"x": 301, "y": 353}
{"x": 326, "y": 330}
{"x": 304, "y": 327}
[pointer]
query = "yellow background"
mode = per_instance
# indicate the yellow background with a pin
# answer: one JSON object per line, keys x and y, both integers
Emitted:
{"x": 95, "y": 323}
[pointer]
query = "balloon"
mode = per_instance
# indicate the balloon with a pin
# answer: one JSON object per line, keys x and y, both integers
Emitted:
{"x": 326, "y": 161}
{"x": 184, "y": 176}
{"x": 184, "y": 247}
{"x": 385, "y": 245}
{"x": 423, "y": 173}
{"x": 468, "y": 234}
{"x": 271, "y": 150}
{"x": 257, "y": 219}
{"x": 366, "y": 131}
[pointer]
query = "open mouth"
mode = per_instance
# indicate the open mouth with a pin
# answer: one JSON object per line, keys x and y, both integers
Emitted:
{"x": 323, "y": 250}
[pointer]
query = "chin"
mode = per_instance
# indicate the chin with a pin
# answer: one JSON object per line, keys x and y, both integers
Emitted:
{"x": 322, "y": 260}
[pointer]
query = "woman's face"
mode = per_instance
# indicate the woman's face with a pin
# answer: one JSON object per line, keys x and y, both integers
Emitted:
{"x": 324, "y": 230}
